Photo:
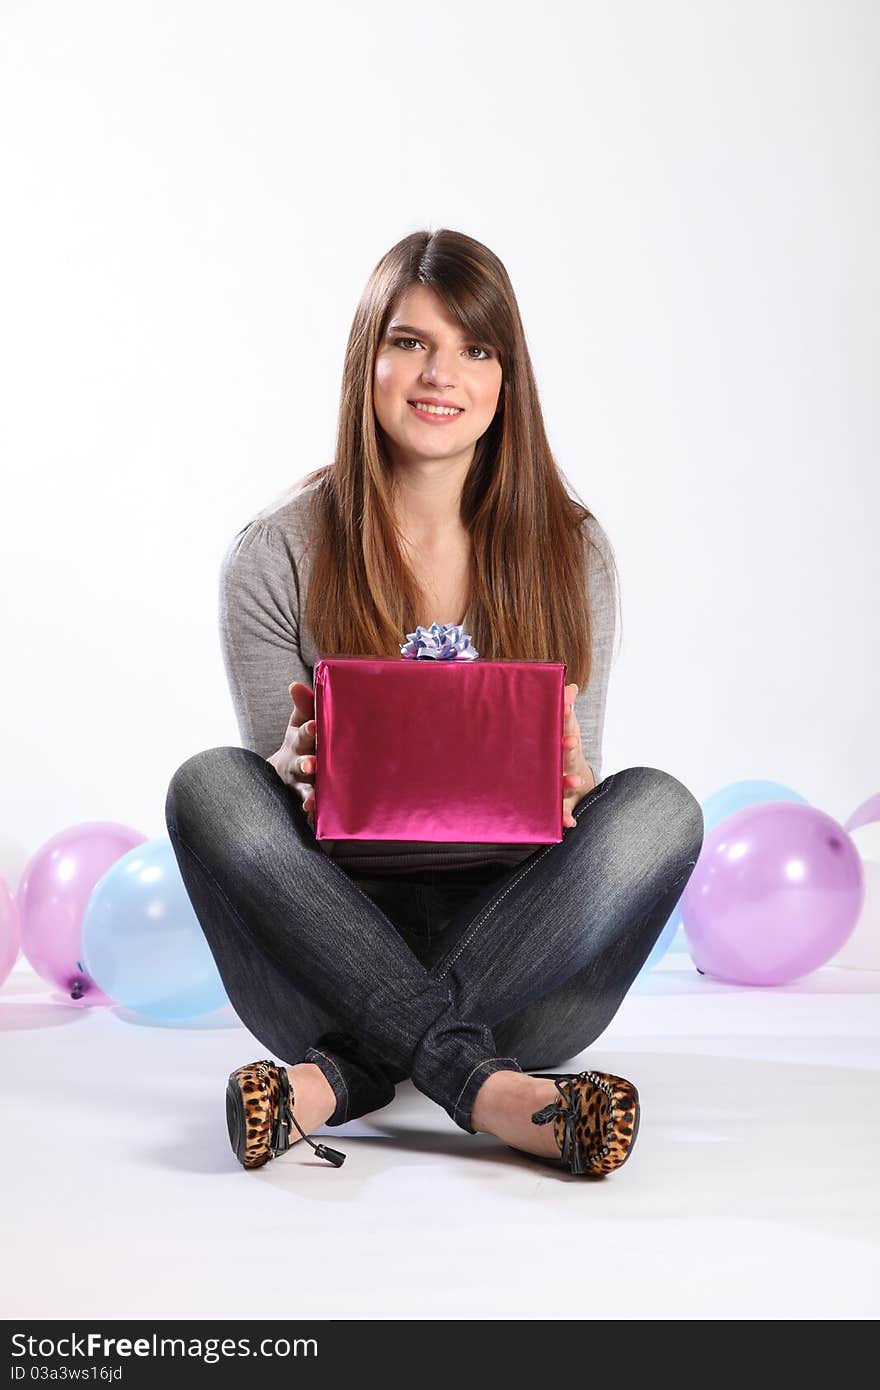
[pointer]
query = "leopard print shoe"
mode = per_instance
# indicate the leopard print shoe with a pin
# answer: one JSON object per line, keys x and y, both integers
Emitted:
{"x": 595, "y": 1121}
{"x": 259, "y": 1112}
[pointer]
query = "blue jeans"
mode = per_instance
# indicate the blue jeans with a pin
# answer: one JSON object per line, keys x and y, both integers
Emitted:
{"x": 441, "y": 980}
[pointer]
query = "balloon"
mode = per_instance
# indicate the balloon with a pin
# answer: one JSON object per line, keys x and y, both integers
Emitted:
{"x": 52, "y": 896}
{"x": 862, "y": 950}
{"x": 736, "y": 796}
{"x": 10, "y": 930}
{"x": 721, "y": 804}
{"x": 679, "y": 941}
{"x": 776, "y": 891}
{"x": 142, "y": 941}
{"x": 863, "y": 815}
{"x": 866, "y": 839}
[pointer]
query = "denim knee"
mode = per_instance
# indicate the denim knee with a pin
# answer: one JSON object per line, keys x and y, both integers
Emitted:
{"x": 194, "y": 784}
{"x": 677, "y": 807}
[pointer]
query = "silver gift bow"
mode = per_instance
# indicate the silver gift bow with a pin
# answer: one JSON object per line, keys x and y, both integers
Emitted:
{"x": 439, "y": 642}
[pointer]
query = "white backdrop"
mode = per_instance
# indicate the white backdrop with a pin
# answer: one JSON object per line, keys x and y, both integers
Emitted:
{"x": 685, "y": 197}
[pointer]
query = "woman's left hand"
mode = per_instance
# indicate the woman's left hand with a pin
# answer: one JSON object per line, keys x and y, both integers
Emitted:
{"x": 577, "y": 778}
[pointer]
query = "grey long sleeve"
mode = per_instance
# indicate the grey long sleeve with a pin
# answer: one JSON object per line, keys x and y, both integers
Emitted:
{"x": 263, "y": 584}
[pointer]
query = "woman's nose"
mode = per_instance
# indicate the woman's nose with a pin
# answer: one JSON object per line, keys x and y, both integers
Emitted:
{"x": 438, "y": 368}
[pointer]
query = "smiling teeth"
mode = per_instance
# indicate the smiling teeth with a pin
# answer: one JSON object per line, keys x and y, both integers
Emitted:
{"x": 437, "y": 409}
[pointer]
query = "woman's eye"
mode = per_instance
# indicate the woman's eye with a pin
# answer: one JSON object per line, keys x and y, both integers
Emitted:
{"x": 473, "y": 348}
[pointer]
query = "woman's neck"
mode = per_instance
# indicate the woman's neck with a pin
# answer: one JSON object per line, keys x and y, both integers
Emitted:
{"x": 427, "y": 506}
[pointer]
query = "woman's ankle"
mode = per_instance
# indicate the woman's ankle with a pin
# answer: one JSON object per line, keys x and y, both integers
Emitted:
{"x": 501, "y": 1091}
{"x": 504, "y": 1107}
{"x": 311, "y": 1092}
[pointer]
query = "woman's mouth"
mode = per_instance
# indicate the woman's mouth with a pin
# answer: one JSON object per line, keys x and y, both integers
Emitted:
{"x": 435, "y": 414}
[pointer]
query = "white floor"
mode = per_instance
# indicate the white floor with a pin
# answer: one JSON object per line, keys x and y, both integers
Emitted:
{"x": 752, "y": 1191}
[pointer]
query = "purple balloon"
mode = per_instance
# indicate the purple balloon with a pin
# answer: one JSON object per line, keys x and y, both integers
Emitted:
{"x": 53, "y": 895}
{"x": 864, "y": 815}
{"x": 776, "y": 892}
{"x": 10, "y": 931}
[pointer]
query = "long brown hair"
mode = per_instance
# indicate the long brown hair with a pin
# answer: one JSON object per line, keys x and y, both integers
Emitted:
{"x": 530, "y": 547}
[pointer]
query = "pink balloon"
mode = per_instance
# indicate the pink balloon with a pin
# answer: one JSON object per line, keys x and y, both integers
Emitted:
{"x": 10, "y": 930}
{"x": 777, "y": 890}
{"x": 863, "y": 815}
{"x": 53, "y": 895}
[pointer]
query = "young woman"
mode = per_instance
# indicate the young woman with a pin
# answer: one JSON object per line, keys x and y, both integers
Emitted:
{"x": 469, "y": 968}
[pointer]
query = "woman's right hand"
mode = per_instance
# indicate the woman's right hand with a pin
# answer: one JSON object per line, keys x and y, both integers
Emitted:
{"x": 295, "y": 760}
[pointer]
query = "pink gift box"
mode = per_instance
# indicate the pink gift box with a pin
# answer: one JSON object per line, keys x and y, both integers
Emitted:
{"x": 441, "y": 750}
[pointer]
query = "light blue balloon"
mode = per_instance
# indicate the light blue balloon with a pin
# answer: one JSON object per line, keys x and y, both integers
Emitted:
{"x": 142, "y": 942}
{"x": 716, "y": 808}
{"x": 738, "y": 795}
{"x": 662, "y": 944}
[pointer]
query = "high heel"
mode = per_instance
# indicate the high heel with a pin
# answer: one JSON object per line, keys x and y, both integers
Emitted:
{"x": 595, "y": 1120}
{"x": 259, "y": 1112}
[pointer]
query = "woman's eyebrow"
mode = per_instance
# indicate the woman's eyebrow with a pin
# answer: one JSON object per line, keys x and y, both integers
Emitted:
{"x": 420, "y": 332}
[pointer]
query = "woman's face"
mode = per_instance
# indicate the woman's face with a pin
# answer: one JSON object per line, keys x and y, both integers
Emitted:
{"x": 423, "y": 354}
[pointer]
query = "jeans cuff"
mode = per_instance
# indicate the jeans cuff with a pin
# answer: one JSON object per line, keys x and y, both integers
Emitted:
{"x": 337, "y": 1084}
{"x": 461, "y": 1111}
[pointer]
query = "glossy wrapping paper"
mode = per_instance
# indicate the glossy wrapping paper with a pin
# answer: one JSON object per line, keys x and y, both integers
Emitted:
{"x": 438, "y": 750}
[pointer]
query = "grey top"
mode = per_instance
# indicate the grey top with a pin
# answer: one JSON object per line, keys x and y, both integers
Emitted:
{"x": 266, "y": 646}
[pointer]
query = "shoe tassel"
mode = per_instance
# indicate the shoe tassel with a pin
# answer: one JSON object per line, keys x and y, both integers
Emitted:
{"x": 281, "y": 1132}
{"x": 572, "y": 1154}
